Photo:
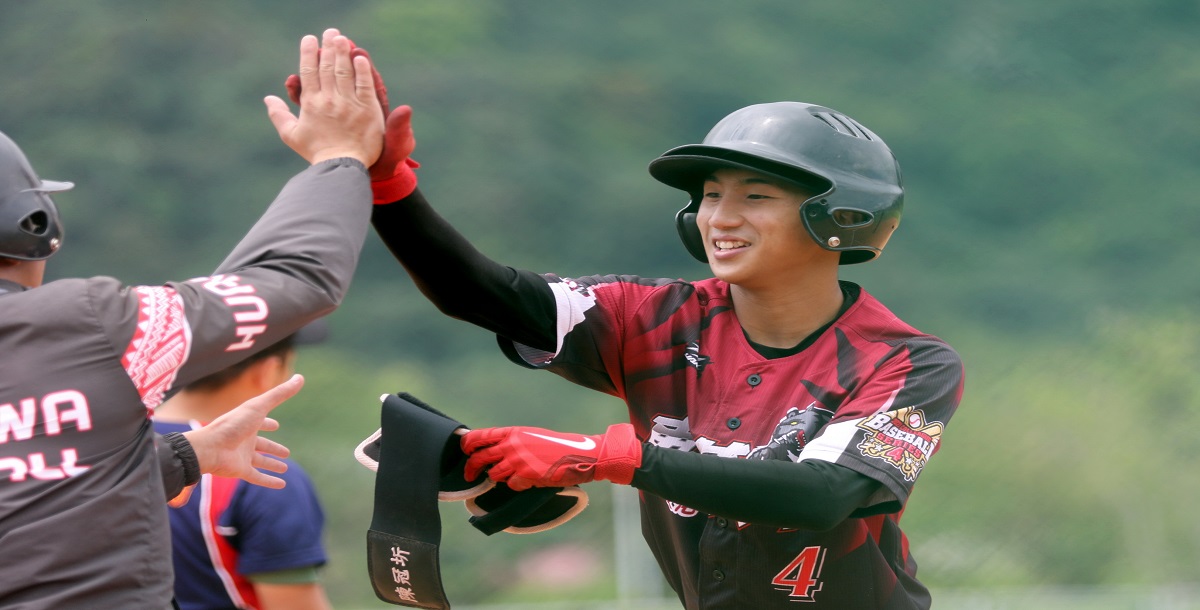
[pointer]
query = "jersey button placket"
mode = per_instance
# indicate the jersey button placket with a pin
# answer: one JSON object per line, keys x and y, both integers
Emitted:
{"x": 719, "y": 563}
{"x": 754, "y": 379}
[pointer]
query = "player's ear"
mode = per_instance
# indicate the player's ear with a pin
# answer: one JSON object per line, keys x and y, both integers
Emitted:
{"x": 266, "y": 373}
{"x": 287, "y": 364}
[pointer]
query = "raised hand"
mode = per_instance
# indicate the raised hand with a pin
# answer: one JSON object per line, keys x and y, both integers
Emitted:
{"x": 294, "y": 89}
{"x": 340, "y": 112}
{"x": 392, "y": 175}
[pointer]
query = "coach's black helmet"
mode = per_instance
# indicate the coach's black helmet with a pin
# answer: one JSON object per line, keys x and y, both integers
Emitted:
{"x": 29, "y": 225}
{"x": 855, "y": 179}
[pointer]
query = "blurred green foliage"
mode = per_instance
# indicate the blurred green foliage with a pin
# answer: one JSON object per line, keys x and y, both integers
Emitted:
{"x": 1050, "y": 159}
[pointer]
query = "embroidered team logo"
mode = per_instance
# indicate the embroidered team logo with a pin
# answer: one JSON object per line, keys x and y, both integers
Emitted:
{"x": 792, "y": 433}
{"x": 902, "y": 438}
{"x": 694, "y": 358}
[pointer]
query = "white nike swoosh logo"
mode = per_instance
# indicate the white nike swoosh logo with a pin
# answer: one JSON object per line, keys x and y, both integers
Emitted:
{"x": 582, "y": 445}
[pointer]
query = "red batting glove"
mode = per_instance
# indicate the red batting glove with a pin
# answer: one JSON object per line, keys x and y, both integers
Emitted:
{"x": 392, "y": 175}
{"x": 525, "y": 457}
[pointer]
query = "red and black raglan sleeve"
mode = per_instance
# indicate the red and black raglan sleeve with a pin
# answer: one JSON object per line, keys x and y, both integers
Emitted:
{"x": 892, "y": 423}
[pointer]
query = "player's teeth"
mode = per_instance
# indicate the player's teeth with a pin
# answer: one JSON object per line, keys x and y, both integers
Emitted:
{"x": 726, "y": 245}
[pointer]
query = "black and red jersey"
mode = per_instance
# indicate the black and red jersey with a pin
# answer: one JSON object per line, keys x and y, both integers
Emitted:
{"x": 859, "y": 406}
{"x": 83, "y": 514}
{"x": 871, "y": 394}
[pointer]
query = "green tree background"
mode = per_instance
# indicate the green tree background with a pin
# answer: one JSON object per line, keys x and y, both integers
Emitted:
{"x": 1050, "y": 154}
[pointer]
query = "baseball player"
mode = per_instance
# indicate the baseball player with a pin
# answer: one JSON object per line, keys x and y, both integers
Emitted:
{"x": 779, "y": 417}
{"x": 236, "y": 545}
{"x": 83, "y": 520}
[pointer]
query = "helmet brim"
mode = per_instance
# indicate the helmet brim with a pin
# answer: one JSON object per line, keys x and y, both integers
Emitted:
{"x": 53, "y": 186}
{"x": 686, "y": 168}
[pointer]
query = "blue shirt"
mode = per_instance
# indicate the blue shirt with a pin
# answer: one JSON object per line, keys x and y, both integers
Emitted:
{"x": 228, "y": 529}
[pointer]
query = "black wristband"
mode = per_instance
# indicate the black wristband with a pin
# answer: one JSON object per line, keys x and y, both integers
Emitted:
{"x": 187, "y": 456}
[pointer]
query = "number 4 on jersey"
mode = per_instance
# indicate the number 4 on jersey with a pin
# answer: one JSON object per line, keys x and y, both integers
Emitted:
{"x": 802, "y": 574}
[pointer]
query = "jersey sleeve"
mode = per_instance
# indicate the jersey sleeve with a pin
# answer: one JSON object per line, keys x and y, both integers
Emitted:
{"x": 573, "y": 299}
{"x": 277, "y": 529}
{"x": 892, "y": 425}
{"x": 591, "y": 315}
{"x": 294, "y": 265}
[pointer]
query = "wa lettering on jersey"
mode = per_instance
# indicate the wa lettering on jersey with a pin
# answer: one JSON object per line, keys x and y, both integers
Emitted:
{"x": 159, "y": 346}
{"x": 871, "y": 394}
{"x": 53, "y": 411}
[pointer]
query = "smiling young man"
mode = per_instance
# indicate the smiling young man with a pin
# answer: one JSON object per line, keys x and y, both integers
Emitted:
{"x": 784, "y": 287}
{"x": 779, "y": 417}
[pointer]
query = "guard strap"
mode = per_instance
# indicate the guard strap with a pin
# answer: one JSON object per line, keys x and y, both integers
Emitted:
{"x": 406, "y": 528}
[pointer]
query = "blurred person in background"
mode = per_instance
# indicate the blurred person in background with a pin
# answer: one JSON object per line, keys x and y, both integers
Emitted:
{"x": 237, "y": 545}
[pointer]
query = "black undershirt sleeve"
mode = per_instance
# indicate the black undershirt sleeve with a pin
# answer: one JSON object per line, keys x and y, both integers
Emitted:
{"x": 812, "y": 494}
{"x": 460, "y": 280}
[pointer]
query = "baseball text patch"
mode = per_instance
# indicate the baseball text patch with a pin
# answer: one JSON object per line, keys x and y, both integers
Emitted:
{"x": 901, "y": 438}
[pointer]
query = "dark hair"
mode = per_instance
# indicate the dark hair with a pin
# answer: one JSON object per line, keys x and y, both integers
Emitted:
{"x": 215, "y": 381}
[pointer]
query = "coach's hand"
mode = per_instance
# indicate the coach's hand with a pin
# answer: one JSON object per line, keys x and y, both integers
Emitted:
{"x": 295, "y": 89}
{"x": 392, "y": 175}
{"x": 525, "y": 457}
{"x": 340, "y": 114}
{"x": 231, "y": 447}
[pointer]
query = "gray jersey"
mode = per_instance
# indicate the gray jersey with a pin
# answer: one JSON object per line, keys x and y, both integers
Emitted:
{"x": 83, "y": 364}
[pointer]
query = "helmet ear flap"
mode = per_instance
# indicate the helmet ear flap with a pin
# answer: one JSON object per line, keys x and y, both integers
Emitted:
{"x": 685, "y": 223}
{"x": 30, "y": 228}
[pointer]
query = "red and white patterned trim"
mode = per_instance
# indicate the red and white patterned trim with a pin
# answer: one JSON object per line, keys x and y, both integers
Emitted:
{"x": 160, "y": 345}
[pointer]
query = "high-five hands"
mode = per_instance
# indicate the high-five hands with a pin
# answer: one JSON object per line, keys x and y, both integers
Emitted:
{"x": 340, "y": 114}
{"x": 392, "y": 175}
{"x": 525, "y": 457}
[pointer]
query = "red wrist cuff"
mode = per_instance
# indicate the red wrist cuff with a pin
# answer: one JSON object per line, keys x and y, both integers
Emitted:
{"x": 399, "y": 186}
{"x": 620, "y": 456}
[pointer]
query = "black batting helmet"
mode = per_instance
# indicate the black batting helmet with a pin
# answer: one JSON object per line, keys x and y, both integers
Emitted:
{"x": 30, "y": 229}
{"x": 858, "y": 195}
